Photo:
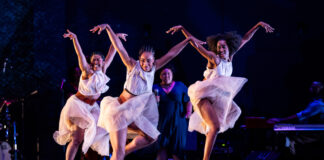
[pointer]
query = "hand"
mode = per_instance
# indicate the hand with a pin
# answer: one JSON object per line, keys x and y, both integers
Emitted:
{"x": 99, "y": 28}
{"x": 157, "y": 99}
{"x": 196, "y": 41}
{"x": 174, "y": 29}
{"x": 69, "y": 34}
{"x": 122, "y": 36}
{"x": 199, "y": 41}
{"x": 273, "y": 120}
{"x": 188, "y": 114}
{"x": 266, "y": 26}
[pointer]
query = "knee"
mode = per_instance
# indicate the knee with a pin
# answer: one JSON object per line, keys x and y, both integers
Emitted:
{"x": 203, "y": 101}
{"x": 76, "y": 141}
{"x": 214, "y": 128}
{"x": 119, "y": 153}
{"x": 149, "y": 139}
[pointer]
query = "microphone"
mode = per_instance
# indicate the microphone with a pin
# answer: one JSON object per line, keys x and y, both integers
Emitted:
{"x": 4, "y": 65}
{"x": 156, "y": 92}
{"x": 157, "y": 96}
{"x": 62, "y": 83}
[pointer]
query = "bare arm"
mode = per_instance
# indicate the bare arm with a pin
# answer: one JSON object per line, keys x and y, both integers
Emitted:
{"x": 173, "y": 52}
{"x": 128, "y": 61}
{"x": 112, "y": 51}
{"x": 252, "y": 31}
{"x": 213, "y": 60}
{"x": 175, "y": 29}
{"x": 189, "y": 109}
{"x": 83, "y": 64}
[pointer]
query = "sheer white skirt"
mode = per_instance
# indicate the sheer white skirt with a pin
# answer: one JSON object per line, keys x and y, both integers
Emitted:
{"x": 141, "y": 110}
{"x": 220, "y": 92}
{"x": 85, "y": 116}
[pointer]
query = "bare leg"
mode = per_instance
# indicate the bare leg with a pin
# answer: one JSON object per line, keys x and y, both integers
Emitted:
{"x": 162, "y": 154}
{"x": 139, "y": 142}
{"x": 209, "y": 116}
{"x": 77, "y": 138}
{"x": 118, "y": 142}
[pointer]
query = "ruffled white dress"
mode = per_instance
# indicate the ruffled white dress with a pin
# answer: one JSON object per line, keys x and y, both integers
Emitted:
{"x": 85, "y": 116}
{"x": 141, "y": 109}
{"x": 220, "y": 89}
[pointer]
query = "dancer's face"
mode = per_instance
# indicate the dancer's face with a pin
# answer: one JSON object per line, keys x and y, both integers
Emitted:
{"x": 222, "y": 49}
{"x": 96, "y": 62}
{"x": 166, "y": 76}
{"x": 146, "y": 61}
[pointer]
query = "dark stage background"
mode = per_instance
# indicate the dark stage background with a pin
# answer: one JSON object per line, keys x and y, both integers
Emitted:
{"x": 279, "y": 66}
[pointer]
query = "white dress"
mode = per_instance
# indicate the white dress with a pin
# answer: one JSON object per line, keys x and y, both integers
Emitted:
{"x": 219, "y": 88}
{"x": 85, "y": 116}
{"x": 141, "y": 109}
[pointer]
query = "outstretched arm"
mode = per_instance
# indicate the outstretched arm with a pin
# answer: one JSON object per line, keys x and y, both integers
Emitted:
{"x": 83, "y": 64}
{"x": 112, "y": 51}
{"x": 175, "y": 29}
{"x": 252, "y": 31}
{"x": 212, "y": 58}
{"x": 173, "y": 52}
{"x": 196, "y": 43}
{"x": 128, "y": 61}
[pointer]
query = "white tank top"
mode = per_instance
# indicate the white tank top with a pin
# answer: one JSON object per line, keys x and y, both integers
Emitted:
{"x": 139, "y": 81}
{"x": 224, "y": 68}
{"x": 95, "y": 85}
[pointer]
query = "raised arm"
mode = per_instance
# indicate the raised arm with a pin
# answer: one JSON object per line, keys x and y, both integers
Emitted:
{"x": 83, "y": 64}
{"x": 212, "y": 58}
{"x": 112, "y": 51}
{"x": 196, "y": 43}
{"x": 173, "y": 52}
{"x": 252, "y": 31}
{"x": 175, "y": 29}
{"x": 128, "y": 61}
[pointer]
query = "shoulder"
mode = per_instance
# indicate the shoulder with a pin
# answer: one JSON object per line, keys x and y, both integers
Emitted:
{"x": 156, "y": 85}
{"x": 180, "y": 84}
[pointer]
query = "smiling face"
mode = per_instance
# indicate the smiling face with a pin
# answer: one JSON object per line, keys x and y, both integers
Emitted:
{"x": 222, "y": 49}
{"x": 146, "y": 61}
{"x": 166, "y": 76}
{"x": 96, "y": 62}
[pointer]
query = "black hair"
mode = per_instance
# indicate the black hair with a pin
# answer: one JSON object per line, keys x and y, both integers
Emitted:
{"x": 168, "y": 66}
{"x": 98, "y": 53}
{"x": 146, "y": 48}
{"x": 233, "y": 41}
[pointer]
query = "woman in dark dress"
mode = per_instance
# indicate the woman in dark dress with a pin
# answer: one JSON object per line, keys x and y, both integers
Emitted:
{"x": 174, "y": 108}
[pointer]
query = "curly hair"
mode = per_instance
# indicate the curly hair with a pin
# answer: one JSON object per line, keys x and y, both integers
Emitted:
{"x": 146, "y": 48}
{"x": 233, "y": 41}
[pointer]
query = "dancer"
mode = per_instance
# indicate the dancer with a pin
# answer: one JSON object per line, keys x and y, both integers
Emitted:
{"x": 136, "y": 107}
{"x": 79, "y": 116}
{"x": 215, "y": 111}
{"x": 174, "y": 108}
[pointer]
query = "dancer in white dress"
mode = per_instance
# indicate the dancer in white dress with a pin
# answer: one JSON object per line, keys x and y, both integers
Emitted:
{"x": 79, "y": 116}
{"x": 136, "y": 107}
{"x": 212, "y": 98}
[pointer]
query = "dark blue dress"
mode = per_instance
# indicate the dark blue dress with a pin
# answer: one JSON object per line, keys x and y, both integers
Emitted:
{"x": 172, "y": 122}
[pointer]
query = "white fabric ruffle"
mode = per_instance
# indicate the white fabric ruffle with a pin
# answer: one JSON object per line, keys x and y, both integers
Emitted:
{"x": 220, "y": 91}
{"x": 142, "y": 110}
{"x": 84, "y": 116}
